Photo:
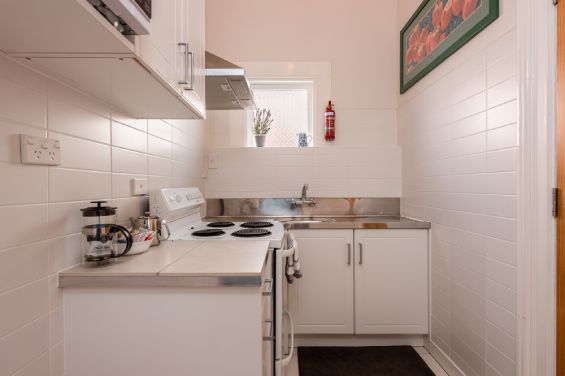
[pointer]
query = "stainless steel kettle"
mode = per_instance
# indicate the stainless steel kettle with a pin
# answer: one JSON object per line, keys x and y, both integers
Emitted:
{"x": 151, "y": 223}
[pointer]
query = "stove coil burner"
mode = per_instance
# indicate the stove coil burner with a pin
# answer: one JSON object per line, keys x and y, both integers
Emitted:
{"x": 257, "y": 224}
{"x": 208, "y": 233}
{"x": 220, "y": 224}
{"x": 251, "y": 233}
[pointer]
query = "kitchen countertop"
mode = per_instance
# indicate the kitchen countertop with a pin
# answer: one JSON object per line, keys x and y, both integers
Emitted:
{"x": 340, "y": 222}
{"x": 183, "y": 263}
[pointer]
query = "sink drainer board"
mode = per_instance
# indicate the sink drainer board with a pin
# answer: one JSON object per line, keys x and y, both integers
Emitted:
{"x": 361, "y": 361}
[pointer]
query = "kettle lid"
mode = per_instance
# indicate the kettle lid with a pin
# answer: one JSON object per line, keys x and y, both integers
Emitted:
{"x": 98, "y": 210}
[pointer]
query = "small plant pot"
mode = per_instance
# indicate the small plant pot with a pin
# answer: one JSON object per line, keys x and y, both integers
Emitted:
{"x": 260, "y": 140}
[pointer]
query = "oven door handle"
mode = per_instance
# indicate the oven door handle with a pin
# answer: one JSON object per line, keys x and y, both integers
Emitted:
{"x": 286, "y": 360}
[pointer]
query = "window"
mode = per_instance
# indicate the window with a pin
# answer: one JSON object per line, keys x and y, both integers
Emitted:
{"x": 290, "y": 103}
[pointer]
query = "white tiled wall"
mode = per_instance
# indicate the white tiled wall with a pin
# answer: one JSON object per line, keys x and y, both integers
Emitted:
{"x": 459, "y": 135}
{"x": 39, "y": 206}
{"x": 329, "y": 172}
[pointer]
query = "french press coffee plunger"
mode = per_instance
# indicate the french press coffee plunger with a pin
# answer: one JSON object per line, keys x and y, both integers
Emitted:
{"x": 102, "y": 238}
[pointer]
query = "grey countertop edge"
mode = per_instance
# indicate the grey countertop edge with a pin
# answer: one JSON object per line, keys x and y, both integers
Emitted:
{"x": 154, "y": 280}
{"x": 372, "y": 222}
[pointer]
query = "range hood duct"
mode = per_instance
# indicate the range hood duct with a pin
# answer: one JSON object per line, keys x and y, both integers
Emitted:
{"x": 226, "y": 85}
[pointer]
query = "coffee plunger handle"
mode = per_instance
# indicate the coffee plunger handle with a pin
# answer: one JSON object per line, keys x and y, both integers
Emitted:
{"x": 129, "y": 238}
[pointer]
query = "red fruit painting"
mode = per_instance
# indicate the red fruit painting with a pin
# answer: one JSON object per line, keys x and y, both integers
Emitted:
{"x": 436, "y": 15}
{"x": 437, "y": 29}
{"x": 469, "y": 7}
{"x": 446, "y": 15}
{"x": 456, "y": 7}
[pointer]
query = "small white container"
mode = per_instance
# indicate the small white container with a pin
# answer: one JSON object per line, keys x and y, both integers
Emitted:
{"x": 139, "y": 247}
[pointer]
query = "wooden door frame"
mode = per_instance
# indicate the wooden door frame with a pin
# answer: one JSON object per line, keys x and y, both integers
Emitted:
{"x": 536, "y": 27}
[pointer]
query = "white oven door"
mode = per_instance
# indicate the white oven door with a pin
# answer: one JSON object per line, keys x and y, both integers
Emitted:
{"x": 284, "y": 332}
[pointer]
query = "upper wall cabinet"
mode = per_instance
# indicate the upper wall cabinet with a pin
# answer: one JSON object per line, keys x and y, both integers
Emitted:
{"x": 159, "y": 75}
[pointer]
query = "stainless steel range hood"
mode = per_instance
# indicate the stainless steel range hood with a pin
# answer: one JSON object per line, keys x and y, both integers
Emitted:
{"x": 226, "y": 85}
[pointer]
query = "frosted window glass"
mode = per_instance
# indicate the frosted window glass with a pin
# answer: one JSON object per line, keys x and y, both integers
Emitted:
{"x": 290, "y": 107}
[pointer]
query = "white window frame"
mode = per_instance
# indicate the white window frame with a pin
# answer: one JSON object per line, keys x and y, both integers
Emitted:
{"x": 279, "y": 84}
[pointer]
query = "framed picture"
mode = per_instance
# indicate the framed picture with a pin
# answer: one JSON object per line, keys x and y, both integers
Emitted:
{"x": 436, "y": 30}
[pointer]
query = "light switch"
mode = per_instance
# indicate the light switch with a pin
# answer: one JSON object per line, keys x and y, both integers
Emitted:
{"x": 139, "y": 187}
{"x": 212, "y": 161}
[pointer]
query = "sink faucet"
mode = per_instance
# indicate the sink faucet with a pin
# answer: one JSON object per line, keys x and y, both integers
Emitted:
{"x": 304, "y": 189}
{"x": 304, "y": 200}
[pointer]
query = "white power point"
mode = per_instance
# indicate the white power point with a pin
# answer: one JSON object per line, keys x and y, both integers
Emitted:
{"x": 139, "y": 187}
{"x": 40, "y": 151}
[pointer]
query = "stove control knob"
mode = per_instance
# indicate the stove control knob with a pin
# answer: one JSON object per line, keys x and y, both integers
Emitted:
{"x": 178, "y": 198}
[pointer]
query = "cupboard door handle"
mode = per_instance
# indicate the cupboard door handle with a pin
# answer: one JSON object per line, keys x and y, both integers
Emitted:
{"x": 184, "y": 81}
{"x": 191, "y": 87}
{"x": 348, "y": 253}
{"x": 360, "y": 253}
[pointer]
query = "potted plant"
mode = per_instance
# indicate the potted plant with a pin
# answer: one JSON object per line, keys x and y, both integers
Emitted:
{"x": 261, "y": 125}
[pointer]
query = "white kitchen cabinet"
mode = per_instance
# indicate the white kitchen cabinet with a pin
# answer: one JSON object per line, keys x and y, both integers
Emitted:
{"x": 141, "y": 76}
{"x": 194, "y": 90}
{"x": 381, "y": 289}
{"x": 391, "y": 282}
{"x": 322, "y": 301}
{"x": 175, "y": 48}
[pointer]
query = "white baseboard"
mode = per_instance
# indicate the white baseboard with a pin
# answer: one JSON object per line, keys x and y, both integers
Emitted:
{"x": 351, "y": 340}
{"x": 444, "y": 361}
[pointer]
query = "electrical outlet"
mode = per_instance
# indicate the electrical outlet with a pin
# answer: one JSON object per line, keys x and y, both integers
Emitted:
{"x": 139, "y": 187}
{"x": 40, "y": 151}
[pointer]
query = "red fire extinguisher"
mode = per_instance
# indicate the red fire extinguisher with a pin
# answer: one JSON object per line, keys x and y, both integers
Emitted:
{"x": 329, "y": 125}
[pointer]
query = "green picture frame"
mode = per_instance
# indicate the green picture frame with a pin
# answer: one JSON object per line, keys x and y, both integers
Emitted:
{"x": 436, "y": 30}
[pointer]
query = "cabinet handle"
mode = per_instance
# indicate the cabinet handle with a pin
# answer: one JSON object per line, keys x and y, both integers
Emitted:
{"x": 191, "y": 87}
{"x": 360, "y": 253}
{"x": 184, "y": 81}
{"x": 348, "y": 253}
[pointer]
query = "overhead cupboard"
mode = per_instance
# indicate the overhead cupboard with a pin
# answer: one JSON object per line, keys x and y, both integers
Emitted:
{"x": 361, "y": 282}
{"x": 157, "y": 75}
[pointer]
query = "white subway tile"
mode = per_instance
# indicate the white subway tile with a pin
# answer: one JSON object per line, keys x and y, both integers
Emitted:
{"x": 128, "y": 138}
{"x": 502, "y": 69}
{"x": 160, "y": 147}
{"x": 468, "y": 126}
{"x": 469, "y": 106}
{"x": 56, "y": 360}
{"x": 122, "y": 185}
{"x": 502, "y": 138}
{"x": 503, "y": 160}
{"x": 22, "y": 104}
{"x": 501, "y": 341}
{"x": 24, "y": 345}
{"x": 23, "y": 305}
{"x": 129, "y": 162}
{"x": 22, "y": 265}
{"x": 140, "y": 124}
{"x": 161, "y": 166}
{"x": 65, "y": 217}
{"x": 160, "y": 129}
{"x": 55, "y": 294}
{"x": 56, "y": 326}
{"x": 504, "y": 114}
{"x": 27, "y": 224}
{"x": 64, "y": 252}
{"x": 504, "y": 365}
{"x": 10, "y": 139}
{"x": 22, "y": 184}
{"x": 83, "y": 154}
{"x": 69, "y": 119}
{"x": 131, "y": 207}
{"x": 36, "y": 367}
{"x": 503, "y": 92}
{"x": 78, "y": 185}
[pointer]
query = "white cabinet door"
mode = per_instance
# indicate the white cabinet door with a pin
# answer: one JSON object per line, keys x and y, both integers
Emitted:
{"x": 193, "y": 35}
{"x": 160, "y": 49}
{"x": 391, "y": 282}
{"x": 322, "y": 300}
